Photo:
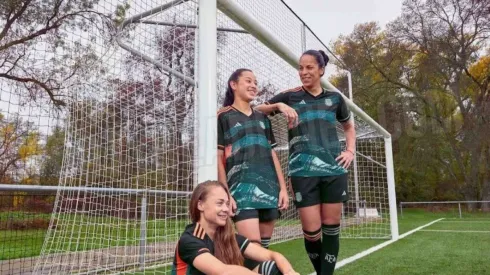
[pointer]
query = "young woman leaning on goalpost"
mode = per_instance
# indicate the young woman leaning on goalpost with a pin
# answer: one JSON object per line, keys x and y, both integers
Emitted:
{"x": 317, "y": 165}
{"x": 247, "y": 162}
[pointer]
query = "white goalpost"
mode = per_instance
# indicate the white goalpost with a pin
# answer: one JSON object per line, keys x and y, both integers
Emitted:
{"x": 141, "y": 131}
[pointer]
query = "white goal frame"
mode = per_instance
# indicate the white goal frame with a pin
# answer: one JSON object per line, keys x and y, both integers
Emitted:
{"x": 206, "y": 159}
{"x": 207, "y": 88}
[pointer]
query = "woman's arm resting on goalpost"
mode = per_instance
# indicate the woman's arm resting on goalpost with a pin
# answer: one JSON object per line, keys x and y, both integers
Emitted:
{"x": 288, "y": 112}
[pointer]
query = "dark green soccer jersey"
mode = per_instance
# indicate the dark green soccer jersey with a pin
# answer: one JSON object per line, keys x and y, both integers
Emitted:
{"x": 247, "y": 142}
{"x": 194, "y": 242}
{"x": 314, "y": 144}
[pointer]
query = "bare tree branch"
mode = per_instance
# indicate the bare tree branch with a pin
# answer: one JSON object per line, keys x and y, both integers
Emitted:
{"x": 10, "y": 21}
{"x": 37, "y": 82}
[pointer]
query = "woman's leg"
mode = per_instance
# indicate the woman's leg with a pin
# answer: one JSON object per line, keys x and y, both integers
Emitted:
{"x": 267, "y": 220}
{"x": 311, "y": 224}
{"x": 331, "y": 213}
{"x": 266, "y": 229}
{"x": 334, "y": 193}
{"x": 267, "y": 268}
{"x": 307, "y": 200}
{"x": 247, "y": 225}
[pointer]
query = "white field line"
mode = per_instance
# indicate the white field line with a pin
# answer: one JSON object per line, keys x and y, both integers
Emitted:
{"x": 379, "y": 246}
{"x": 467, "y": 221}
{"x": 455, "y": 231}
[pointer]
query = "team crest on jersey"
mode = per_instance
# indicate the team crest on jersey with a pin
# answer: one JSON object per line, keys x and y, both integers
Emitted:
{"x": 299, "y": 198}
{"x": 262, "y": 125}
{"x": 328, "y": 102}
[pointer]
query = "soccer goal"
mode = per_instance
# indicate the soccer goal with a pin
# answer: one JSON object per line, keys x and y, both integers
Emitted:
{"x": 140, "y": 129}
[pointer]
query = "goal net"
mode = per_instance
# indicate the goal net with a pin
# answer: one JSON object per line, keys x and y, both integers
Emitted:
{"x": 122, "y": 91}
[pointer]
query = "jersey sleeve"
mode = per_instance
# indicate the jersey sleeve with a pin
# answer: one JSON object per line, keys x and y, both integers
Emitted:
{"x": 242, "y": 242}
{"x": 221, "y": 135}
{"x": 279, "y": 98}
{"x": 269, "y": 133}
{"x": 343, "y": 113}
{"x": 190, "y": 247}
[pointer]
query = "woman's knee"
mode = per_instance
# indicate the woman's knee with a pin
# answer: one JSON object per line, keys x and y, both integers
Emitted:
{"x": 331, "y": 213}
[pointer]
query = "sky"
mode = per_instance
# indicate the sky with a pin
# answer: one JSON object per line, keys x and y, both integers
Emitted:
{"x": 330, "y": 18}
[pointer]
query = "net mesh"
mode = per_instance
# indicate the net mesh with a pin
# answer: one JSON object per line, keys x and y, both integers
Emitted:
{"x": 125, "y": 126}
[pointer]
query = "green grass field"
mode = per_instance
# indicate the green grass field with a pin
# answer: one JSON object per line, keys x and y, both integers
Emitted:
{"x": 457, "y": 246}
{"x": 450, "y": 246}
{"x": 466, "y": 251}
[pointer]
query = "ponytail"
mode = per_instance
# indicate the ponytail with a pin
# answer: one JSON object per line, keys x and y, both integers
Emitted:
{"x": 320, "y": 56}
{"x": 325, "y": 57}
{"x": 230, "y": 96}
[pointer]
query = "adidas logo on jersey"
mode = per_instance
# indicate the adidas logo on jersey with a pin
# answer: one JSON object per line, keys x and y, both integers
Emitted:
{"x": 302, "y": 102}
{"x": 238, "y": 124}
{"x": 343, "y": 194}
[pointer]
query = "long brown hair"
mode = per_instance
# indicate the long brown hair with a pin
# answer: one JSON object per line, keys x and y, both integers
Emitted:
{"x": 225, "y": 245}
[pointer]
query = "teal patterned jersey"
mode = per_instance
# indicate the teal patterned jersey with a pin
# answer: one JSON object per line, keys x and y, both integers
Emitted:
{"x": 313, "y": 143}
{"x": 247, "y": 142}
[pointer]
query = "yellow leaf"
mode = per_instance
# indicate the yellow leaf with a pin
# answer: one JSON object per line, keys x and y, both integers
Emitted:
{"x": 481, "y": 69}
{"x": 30, "y": 147}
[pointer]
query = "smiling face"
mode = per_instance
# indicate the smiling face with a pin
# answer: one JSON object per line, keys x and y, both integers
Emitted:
{"x": 310, "y": 71}
{"x": 246, "y": 87}
{"x": 215, "y": 207}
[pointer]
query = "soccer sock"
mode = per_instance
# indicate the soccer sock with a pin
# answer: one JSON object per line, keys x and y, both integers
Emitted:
{"x": 330, "y": 248}
{"x": 265, "y": 242}
{"x": 313, "y": 246}
{"x": 269, "y": 268}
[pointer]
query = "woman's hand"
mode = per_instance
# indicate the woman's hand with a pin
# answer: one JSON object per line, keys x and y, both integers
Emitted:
{"x": 289, "y": 113}
{"x": 345, "y": 158}
{"x": 283, "y": 199}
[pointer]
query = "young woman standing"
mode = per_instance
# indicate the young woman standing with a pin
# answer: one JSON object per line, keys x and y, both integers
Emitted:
{"x": 247, "y": 162}
{"x": 317, "y": 164}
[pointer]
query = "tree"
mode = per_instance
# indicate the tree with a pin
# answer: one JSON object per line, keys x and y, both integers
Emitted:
{"x": 144, "y": 126}
{"x": 19, "y": 143}
{"x": 53, "y": 158}
{"x": 428, "y": 72}
{"x": 43, "y": 44}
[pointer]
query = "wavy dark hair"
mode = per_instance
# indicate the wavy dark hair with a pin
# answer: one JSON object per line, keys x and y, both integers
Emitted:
{"x": 320, "y": 56}
{"x": 230, "y": 96}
